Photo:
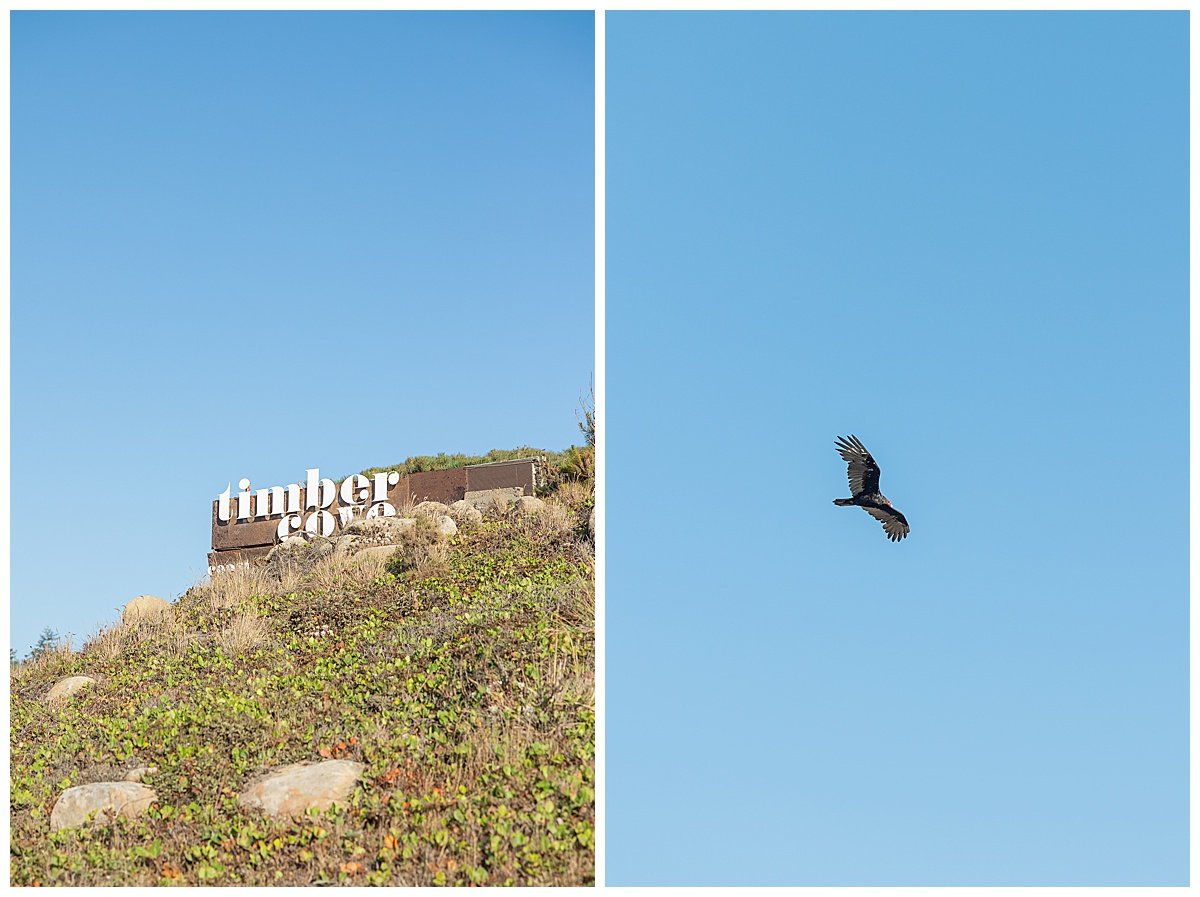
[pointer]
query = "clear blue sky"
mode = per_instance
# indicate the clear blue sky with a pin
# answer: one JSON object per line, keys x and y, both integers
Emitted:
{"x": 247, "y": 244}
{"x": 963, "y": 237}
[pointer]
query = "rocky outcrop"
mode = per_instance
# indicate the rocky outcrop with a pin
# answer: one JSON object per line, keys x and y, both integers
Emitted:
{"x": 292, "y": 790}
{"x": 65, "y": 688}
{"x": 465, "y": 514}
{"x": 527, "y": 504}
{"x": 102, "y": 801}
{"x": 147, "y": 608}
{"x": 431, "y": 509}
{"x": 296, "y": 555}
{"x": 379, "y": 530}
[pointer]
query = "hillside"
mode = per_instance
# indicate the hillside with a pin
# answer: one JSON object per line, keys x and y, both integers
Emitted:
{"x": 457, "y": 670}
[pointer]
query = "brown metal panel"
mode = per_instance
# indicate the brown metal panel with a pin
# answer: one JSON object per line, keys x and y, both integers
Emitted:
{"x": 446, "y": 486}
{"x": 242, "y": 533}
{"x": 237, "y": 556}
{"x": 502, "y": 475}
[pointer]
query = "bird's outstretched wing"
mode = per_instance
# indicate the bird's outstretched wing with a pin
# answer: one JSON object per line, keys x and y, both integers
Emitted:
{"x": 863, "y": 472}
{"x": 893, "y": 522}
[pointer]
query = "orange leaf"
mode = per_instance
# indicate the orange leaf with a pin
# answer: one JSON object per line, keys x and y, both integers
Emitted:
{"x": 352, "y": 868}
{"x": 389, "y": 841}
{"x": 391, "y": 775}
{"x": 324, "y": 752}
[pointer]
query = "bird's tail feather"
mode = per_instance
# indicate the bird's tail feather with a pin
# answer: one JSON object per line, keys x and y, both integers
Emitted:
{"x": 843, "y": 502}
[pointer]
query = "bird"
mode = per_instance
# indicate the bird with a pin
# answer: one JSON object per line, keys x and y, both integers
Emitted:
{"x": 863, "y": 474}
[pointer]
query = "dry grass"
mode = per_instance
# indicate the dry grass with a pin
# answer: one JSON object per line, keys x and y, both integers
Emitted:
{"x": 405, "y": 505}
{"x": 244, "y": 632}
{"x": 346, "y": 571}
{"x": 574, "y": 494}
{"x": 53, "y": 662}
{"x": 552, "y": 522}
{"x": 421, "y": 548}
{"x": 235, "y": 588}
{"x": 108, "y": 644}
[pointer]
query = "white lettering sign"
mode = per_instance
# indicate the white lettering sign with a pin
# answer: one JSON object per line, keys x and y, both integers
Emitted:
{"x": 359, "y": 495}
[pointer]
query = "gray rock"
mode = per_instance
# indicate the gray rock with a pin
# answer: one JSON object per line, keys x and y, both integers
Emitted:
{"x": 464, "y": 513}
{"x": 527, "y": 504}
{"x": 592, "y": 524}
{"x": 107, "y": 800}
{"x": 296, "y": 554}
{"x": 139, "y": 773}
{"x": 65, "y": 688}
{"x": 431, "y": 509}
{"x": 380, "y": 530}
{"x": 292, "y": 790}
{"x": 500, "y": 499}
{"x": 446, "y": 526}
{"x": 147, "y": 608}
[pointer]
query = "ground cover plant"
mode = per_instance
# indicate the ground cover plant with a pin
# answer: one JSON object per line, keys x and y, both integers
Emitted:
{"x": 462, "y": 678}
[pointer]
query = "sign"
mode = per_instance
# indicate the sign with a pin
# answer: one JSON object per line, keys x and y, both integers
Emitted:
{"x": 247, "y": 523}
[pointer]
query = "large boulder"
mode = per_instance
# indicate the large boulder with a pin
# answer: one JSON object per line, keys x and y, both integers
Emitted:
{"x": 107, "y": 800}
{"x": 296, "y": 554}
{"x": 464, "y": 513}
{"x": 292, "y": 790}
{"x": 379, "y": 530}
{"x": 527, "y": 504}
{"x": 147, "y": 608}
{"x": 65, "y": 688}
{"x": 431, "y": 509}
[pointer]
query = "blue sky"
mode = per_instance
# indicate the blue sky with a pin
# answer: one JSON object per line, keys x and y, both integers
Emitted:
{"x": 963, "y": 237}
{"x": 249, "y": 244}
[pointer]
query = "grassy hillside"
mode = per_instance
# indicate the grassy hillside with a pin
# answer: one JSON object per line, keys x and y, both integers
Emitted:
{"x": 460, "y": 673}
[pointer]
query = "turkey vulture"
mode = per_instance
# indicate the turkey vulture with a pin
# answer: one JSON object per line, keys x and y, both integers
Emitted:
{"x": 864, "y": 488}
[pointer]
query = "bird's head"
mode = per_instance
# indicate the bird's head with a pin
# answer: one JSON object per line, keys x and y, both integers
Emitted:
{"x": 886, "y": 502}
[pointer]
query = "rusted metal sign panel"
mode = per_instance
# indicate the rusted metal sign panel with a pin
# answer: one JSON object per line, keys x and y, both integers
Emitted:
{"x": 446, "y": 486}
{"x": 501, "y": 475}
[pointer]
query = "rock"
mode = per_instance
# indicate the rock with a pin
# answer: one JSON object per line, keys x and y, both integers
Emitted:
{"x": 291, "y": 790}
{"x": 380, "y": 530}
{"x": 136, "y": 775}
{"x": 500, "y": 499}
{"x": 527, "y": 504}
{"x": 446, "y": 526}
{"x": 296, "y": 554}
{"x": 592, "y": 524}
{"x": 65, "y": 688}
{"x": 431, "y": 509}
{"x": 464, "y": 513}
{"x": 148, "y": 608}
{"x": 106, "y": 799}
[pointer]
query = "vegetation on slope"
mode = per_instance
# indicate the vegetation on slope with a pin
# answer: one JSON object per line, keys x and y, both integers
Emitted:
{"x": 462, "y": 677}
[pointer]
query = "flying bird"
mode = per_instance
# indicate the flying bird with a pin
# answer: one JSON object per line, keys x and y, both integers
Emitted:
{"x": 864, "y": 488}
